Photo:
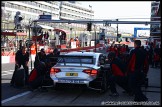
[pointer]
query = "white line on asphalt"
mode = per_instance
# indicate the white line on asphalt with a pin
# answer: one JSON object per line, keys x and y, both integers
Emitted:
{"x": 8, "y": 72}
{"x": 14, "y": 97}
{"x": 13, "y": 70}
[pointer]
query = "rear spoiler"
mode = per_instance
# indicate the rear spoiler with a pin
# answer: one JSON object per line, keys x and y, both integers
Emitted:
{"x": 72, "y": 56}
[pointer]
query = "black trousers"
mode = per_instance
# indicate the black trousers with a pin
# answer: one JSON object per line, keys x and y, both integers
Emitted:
{"x": 26, "y": 68}
{"x": 135, "y": 81}
{"x": 155, "y": 64}
{"x": 122, "y": 81}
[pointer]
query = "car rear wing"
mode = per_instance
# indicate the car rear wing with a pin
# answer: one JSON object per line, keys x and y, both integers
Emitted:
{"x": 72, "y": 56}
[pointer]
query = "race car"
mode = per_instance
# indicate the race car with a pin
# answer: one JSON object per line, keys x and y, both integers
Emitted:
{"x": 81, "y": 68}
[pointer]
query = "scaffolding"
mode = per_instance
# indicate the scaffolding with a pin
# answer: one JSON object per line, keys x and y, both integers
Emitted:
{"x": 10, "y": 39}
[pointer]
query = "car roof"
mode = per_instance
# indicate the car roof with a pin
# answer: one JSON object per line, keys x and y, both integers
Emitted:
{"x": 84, "y": 54}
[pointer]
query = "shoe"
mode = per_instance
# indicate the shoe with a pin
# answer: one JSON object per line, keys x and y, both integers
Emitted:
{"x": 114, "y": 94}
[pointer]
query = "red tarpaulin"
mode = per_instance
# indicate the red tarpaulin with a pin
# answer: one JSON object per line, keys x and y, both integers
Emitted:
{"x": 126, "y": 43}
{"x": 61, "y": 30}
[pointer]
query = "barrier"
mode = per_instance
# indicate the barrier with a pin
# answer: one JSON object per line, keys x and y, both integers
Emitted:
{"x": 5, "y": 59}
{"x": 11, "y": 59}
{"x": 7, "y": 53}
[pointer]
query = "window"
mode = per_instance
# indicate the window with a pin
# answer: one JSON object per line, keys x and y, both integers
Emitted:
{"x": 36, "y": 4}
{"x": 24, "y": 8}
{"x": 30, "y": 10}
{"x": 77, "y": 60}
{"x": 9, "y": 5}
{"x": 27, "y": 9}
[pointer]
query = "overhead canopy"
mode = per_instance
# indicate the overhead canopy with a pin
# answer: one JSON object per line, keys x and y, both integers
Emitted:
{"x": 99, "y": 21}
{"x": 13, "y": 33}
{"x": 43, "y": 27}
{"x": 61, "y": 30}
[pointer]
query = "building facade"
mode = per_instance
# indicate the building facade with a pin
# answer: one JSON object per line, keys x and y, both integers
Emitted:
{"x": 74, "y": 11}
{"x": 30, "y": 10}
{"x": 155, "y": 16}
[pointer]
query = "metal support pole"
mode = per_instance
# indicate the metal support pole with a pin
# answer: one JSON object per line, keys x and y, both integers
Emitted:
{"x": 117, "y": 31}
{"x": 95, "y": 37}
{"x": 16, "y": 37}
{"x": 35, "y": 26}
{"x": 71, "y": 29}
{"x": 29, "y": 43}
{"x": 70, "y": 36}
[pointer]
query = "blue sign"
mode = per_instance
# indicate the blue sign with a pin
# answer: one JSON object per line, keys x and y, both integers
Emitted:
{"x": 135, "y": 30}
{"x": 45, "y": 17}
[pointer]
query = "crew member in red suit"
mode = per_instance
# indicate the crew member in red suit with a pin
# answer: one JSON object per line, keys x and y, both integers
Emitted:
{"x": 135, "y": 71}
{"x": 119, "y": 76}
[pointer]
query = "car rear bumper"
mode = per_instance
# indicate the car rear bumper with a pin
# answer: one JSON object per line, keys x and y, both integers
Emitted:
{"x": 92, "y": 84}
{"x": 71, "y": 81}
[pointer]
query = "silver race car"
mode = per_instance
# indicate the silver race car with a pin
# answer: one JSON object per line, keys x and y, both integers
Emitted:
{"x": 81, "y": 68}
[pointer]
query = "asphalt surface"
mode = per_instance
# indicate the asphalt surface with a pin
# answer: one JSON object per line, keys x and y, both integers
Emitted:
{"x": 74, "y": 96}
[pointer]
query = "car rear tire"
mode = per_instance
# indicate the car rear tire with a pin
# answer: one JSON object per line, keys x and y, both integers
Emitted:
{"x": 104, "y": 84}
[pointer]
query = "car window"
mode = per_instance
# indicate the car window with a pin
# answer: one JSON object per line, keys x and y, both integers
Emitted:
{"x": 77, "y": 60}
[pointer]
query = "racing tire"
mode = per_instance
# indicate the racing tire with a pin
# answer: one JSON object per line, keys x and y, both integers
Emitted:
{"x": 19, "y": 79}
